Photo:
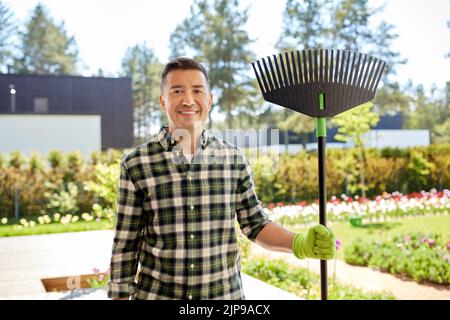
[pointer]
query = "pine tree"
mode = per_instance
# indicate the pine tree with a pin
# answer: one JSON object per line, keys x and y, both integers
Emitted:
{"x": 142, "y": 66}
{"x": 214, "y": 34}
{"x": 45, "y": 46}
{"x": 7, "y": 26}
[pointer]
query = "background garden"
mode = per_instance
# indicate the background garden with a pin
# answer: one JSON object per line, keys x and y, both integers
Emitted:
{"x": 401, "y": 226}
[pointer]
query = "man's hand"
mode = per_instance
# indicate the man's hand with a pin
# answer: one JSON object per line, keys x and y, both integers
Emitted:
{"x": 318, "y": 243}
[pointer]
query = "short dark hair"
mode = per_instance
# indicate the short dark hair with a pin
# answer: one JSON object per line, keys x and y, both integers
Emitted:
{"x": 182, "y": 64}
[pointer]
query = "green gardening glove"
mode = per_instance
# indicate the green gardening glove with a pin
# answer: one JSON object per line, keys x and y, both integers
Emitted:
{"x": 318, "y": 243}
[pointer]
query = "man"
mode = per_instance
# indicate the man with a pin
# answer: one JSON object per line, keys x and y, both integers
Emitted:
{"x": 179, "y": 196}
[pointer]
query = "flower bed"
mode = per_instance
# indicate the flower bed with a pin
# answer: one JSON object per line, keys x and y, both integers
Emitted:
{"x": 384, "y": 207}
{"x": 303, "y": 283}
{"x": 424, "y": 257}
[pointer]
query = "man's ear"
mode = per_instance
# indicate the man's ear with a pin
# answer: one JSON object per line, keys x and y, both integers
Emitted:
{"x": 162, "y": 104}
{"x": 210, "y": 101}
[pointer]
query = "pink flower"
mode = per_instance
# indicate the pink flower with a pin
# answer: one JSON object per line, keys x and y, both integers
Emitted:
{"x": 338, "y": 244}
{"x": 431, "y": 242}
{"x": 96, "y": 270}
{"x": 448, "y": 246}
{"x": 424, "y": 240}
{"x": 101, "y": 276}
{"x": 407, "y": 239}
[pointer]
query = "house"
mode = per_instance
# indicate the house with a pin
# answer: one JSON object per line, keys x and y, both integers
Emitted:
{"x": 45, "y": 112}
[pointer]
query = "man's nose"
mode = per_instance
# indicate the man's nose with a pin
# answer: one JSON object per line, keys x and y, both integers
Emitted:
{"x": 188, "y": 99}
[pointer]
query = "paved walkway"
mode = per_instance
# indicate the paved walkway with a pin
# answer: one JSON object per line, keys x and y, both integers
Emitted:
{"x": 25, "y": 260}
{"x": 365, "y": 278}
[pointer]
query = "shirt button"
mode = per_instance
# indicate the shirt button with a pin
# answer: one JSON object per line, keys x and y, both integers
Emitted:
{"x": 189, "y": 176}
{"x": 192, "y": 266}
{"x": 190, "y": 297}
{"x": 192, "y": 207}
{"x": 192, "y": 236}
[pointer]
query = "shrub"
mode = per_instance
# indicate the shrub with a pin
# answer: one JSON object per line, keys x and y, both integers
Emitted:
{"x": 301, "y": 282}
{"x": 423, "y": 257}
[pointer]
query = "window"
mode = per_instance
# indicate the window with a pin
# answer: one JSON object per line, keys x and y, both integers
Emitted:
{"x": 40, "y": 104}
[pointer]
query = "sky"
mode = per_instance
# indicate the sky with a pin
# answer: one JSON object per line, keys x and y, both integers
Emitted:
{"x": 105, "y": 28}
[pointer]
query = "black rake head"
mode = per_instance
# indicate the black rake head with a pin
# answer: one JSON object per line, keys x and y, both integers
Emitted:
{"x": 345, "y": 79}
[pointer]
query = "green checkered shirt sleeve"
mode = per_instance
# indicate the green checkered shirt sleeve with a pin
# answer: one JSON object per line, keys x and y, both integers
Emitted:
{"x": 249, "y": 212}
{"x": 127, "y": 238}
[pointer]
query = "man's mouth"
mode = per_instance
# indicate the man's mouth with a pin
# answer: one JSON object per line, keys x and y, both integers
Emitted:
{"x": 187, "y": 113}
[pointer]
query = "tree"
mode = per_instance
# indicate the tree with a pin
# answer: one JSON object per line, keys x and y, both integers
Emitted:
{"x": 45, "y": 46}
{"x": 353, "y": 125}
{"x": 429, "y": 111}
{"x": 141, "y": 65}
{"x": 214, "y": 34}
{"x": 6, "y": 31}
{"x": 303, "y": 24}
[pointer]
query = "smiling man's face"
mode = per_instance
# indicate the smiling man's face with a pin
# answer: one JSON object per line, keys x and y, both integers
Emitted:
{"x": 186, "y": 99}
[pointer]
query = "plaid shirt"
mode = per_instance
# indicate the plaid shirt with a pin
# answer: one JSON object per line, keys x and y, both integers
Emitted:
{"x": 177, "y": 220}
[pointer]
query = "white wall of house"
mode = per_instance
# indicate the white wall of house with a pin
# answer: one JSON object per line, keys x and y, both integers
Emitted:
{"x": 45, "y": 132}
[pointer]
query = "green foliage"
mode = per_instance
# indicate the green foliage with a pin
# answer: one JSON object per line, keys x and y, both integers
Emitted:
{"x": 7, "y": 26}
{"x": 404, "y": 170}
{"x": 424, "y": 257}
{"x": 100, "y": 280}
{"x": 302, "y": 283}
{"x": 16, "y": 159}
{"x": 418, "y": 170}
{"x": 214, "y": 34}
{"x": 56, "y": 159}
{"x": 104, "y": 188}
{"x": 144, "y": 69}
{"x": 45, "y": 46}
{"x": 64, "y": 201}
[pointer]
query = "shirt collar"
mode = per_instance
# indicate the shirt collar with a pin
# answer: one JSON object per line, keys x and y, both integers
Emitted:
{"x": 168, "y": 143}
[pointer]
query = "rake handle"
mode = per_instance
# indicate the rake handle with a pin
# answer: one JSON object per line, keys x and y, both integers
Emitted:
{"x": 322, "y": 211}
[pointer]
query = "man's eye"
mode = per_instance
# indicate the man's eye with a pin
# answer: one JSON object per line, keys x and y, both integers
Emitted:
{"x": 176, "y": 92}
{"x": 198, "y": 91}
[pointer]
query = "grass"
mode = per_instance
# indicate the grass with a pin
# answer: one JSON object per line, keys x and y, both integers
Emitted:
{"x": 9, "y": 230}
{"x": 347, "y": 234}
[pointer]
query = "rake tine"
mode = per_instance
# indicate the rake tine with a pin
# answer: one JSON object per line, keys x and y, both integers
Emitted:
{"x": 258, "y": 79}
{"x": 331, "y": 65}
{"x": 263, "y": 78}
{"x": 357, "y": 67}
{"x": 350, "y": 77}
{"x": 346, "y": 63}
{"x": 320, "y": 65}
{"x": 316, "y": 65}
{"x": 280, "y": 78}
{"x": 294, "y": 79}
{"x": 336, "y": 74}
{"x": 382, "y": 64}
{"x": 375, "y": 76}
{"x": 299, "y": 69}
{"x": 275, "y": 80}
{"x": 336, "y": 69}
{"x": 305, "y": 68}
{"x": 342, "y": 67}
{"x": 310, "y": 67}
{"x": 361, "y": 71}
{"x": 283, "y": 69}
{"x": 326, "y": 66}
{"x": 371, "y": 73}
{"x": 289, "y": 68}
{"x": 294, "y": 69}
{"x": 364, "y": 79}
{"x": 269, "y": 76}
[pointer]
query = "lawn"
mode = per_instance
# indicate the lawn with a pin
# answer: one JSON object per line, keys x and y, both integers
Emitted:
{"x": 10, "y": 230}
{"x": 347, "y": 234}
